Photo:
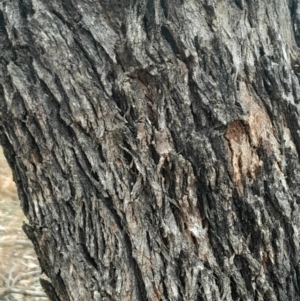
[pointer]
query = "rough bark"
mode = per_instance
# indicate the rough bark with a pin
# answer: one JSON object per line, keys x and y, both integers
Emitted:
{"x": 155, "y": 145}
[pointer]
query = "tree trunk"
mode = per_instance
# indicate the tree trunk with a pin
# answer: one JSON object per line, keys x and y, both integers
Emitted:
{"x": 155, "y": 145}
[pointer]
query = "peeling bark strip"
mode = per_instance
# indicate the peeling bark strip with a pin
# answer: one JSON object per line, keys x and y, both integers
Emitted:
{"x": 155, "y": 145}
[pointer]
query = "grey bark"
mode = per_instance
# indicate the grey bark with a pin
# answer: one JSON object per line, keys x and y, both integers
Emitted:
{"x": 155, "y": 145}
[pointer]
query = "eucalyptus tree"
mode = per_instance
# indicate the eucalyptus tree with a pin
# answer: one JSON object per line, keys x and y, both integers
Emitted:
{"x": 155, "y": 145}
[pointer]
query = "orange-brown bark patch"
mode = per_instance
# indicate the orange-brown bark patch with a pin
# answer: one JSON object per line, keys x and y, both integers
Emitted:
{"x": 244, "y": 159}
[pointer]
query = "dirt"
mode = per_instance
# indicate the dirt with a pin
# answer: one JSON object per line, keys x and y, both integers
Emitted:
{"x": 19, "y": 269}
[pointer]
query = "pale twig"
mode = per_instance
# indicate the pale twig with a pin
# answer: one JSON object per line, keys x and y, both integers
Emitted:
{"x": 3, "y": 278}
{"x": 10, "y": 275}
{"x": 25, "y": 243}
{"x": 25, "y": 276}
{"x": 23, "y": 292}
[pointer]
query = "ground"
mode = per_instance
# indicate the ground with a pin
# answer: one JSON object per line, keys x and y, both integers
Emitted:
{"x": 19, "y": 269}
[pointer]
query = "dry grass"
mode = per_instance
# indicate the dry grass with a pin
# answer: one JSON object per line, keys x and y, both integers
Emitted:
{"x": 19, "y": 269}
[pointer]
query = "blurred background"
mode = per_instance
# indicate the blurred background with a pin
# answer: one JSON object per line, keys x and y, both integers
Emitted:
{"x": 19, "y": 268}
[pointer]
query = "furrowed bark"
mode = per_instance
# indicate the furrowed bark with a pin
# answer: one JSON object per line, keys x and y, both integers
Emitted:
{"x": 155, "y": 145}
